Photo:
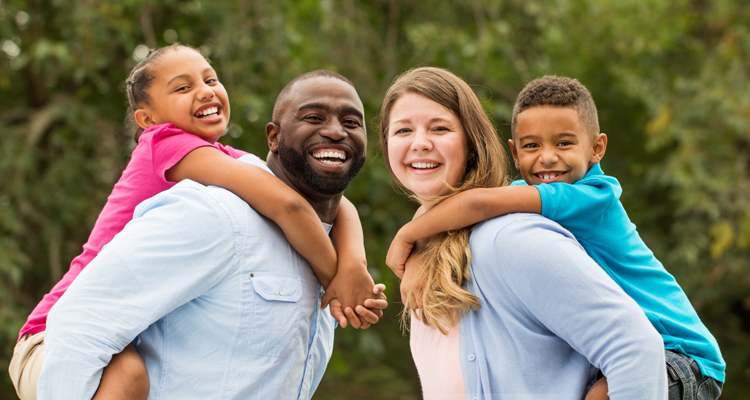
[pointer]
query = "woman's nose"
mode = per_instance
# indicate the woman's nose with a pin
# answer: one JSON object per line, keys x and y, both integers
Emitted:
{"x": 421, "y": 141}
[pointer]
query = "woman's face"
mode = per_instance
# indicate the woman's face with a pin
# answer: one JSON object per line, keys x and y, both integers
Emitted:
{"x": 427, "y": 146}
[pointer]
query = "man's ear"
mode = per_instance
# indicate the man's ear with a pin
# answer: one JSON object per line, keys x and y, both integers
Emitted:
{"x": 143, "y": 118}
{"x": 514, "y": 152}
{"x": 600, "y": 147}
{"x": 273, "y": 135}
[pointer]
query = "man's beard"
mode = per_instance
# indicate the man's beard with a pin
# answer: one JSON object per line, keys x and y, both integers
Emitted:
{"x": 296, "y": 164}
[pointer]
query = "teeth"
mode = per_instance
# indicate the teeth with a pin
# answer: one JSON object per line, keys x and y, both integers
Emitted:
{"x": 208, "y": 111}
{"x": 330, "y": 154}
{"x": 424, "y": 165}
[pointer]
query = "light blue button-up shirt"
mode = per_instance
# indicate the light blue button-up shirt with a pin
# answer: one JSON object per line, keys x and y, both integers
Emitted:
{"x": 222, "y": 305}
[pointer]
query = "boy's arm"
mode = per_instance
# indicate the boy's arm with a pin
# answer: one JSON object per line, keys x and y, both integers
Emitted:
{"x": 352, "y": 284}
{"x": 458, "y": 211}
{"x": 267, "y": 195}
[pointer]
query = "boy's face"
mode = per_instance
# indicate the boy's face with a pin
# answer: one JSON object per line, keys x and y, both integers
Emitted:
{"x": 552, "y": 145}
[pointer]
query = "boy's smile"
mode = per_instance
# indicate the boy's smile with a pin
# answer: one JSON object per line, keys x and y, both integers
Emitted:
{"x": 552, "y": 145}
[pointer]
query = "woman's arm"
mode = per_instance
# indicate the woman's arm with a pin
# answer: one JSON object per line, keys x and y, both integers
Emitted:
{"x": 458, "y": 211}
{"x": 267, "y": 195}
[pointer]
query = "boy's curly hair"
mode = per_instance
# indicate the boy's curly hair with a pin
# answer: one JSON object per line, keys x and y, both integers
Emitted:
{"x": 558, "y": 91}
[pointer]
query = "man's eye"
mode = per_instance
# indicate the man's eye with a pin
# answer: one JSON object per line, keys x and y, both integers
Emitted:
{"x": 352, "y": 122}
{"x": 314, "y": 118}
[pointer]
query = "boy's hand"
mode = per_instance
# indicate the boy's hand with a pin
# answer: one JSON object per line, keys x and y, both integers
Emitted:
{"x": 397, "y": 255}
{"x": 411, "y": 287}
{"x": 365, "y": 315}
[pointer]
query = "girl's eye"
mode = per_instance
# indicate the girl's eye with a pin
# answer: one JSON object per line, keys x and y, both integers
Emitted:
{"x": 182, "y": 88}
{"x": 211, "y": 80}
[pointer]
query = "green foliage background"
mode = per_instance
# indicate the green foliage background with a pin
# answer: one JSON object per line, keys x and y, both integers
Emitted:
{"x": 670, "y": 78}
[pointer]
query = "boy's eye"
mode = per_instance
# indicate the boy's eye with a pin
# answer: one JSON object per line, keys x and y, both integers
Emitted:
{"x": 565, "y": 143}
{"x": 530, "y": 146}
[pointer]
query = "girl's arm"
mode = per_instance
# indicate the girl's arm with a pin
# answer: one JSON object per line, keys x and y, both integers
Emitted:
{"x": 352, "y": 284}
{"x": 458, "y": 211}
{"x": 268, "y": 196}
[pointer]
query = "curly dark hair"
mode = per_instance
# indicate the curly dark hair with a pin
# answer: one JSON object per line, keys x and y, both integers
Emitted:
{"x": 558, "y": 91}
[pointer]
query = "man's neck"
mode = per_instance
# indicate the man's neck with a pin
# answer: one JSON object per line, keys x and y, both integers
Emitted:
{"x": 326, "y": 206}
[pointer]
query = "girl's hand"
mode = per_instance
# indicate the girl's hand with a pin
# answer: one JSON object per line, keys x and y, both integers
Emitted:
{"x": 365, "y": 315}
{"x": 397, "y": 255}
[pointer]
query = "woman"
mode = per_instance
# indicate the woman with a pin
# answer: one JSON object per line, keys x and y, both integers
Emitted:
{"x": 493, "y": 316}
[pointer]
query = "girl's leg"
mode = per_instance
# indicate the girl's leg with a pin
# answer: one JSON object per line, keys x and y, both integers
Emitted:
{"x": 599, "y": 390}
{"x": 125, "y": 378}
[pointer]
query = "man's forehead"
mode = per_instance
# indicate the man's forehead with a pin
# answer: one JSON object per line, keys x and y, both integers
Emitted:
{"x": 323, "y": 90}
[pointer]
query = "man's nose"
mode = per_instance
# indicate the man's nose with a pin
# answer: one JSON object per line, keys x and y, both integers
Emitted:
{"x": 334, "y": 130}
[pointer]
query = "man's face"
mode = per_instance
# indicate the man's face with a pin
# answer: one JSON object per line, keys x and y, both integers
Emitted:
{"x": 322, "y": 141}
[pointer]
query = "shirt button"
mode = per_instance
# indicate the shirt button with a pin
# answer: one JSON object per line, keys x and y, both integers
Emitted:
{"x": 252, "y": 274}
{"x": 281, "y": 292}
{"x": 471, "y": 357}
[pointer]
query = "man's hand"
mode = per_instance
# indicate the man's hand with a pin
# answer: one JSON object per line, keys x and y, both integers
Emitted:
{"x": 365, "y": 315}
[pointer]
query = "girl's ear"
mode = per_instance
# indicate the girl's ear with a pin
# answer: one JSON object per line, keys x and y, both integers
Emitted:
{"x": 143, "y": 118}
{"x": 600, "y": 147}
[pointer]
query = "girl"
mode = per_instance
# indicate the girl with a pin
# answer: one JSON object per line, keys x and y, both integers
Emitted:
{"x": 181, "y": 110}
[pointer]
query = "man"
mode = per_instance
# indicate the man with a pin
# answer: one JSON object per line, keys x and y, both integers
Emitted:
{"x": 222, "y": 306}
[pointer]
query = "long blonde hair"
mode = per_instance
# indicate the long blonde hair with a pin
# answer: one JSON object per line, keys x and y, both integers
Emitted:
{"x": 444, "y": 263}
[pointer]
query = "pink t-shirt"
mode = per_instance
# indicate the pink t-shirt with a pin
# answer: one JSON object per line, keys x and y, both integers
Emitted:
{"x": 438, "y": 361}
{"x": 159, "y": 148}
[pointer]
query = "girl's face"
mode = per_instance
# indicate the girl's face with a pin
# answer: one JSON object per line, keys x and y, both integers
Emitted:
{"x": 427, "y": 146}
{"x": 187, "y": 93}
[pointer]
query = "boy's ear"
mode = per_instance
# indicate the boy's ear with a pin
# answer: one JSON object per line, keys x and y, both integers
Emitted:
{"x": 143, "y": 118}
{"x": 514, "y": 152}
{"x": 273, "y": 133}
{"x": 600, "y": 147}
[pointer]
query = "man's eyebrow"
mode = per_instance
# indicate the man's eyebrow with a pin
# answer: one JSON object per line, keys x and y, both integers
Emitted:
{"x": 322, "y": 106}
{"x": 187, "y": 76}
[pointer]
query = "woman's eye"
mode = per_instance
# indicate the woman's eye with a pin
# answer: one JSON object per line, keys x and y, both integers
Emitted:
{"x": 402, "y": 130}
{"x": 440, "y": 129}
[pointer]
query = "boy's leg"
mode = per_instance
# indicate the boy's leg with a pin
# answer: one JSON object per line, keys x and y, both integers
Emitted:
{"x": 26, "y": 365}
{"x": 125, "y": 378}
{"x": 599, "y": 391}
{"x": 686, "y": 382}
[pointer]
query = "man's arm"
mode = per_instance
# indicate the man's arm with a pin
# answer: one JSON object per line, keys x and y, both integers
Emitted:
{"x": 562, "y": 288}
{"x": 179, "y": 245}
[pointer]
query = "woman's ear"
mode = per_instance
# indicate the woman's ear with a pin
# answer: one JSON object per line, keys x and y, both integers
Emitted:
{"x": 143, "y": 118}
{"x": 600, "y": 147}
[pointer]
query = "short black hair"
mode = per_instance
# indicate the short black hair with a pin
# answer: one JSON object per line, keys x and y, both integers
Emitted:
{"x": 558, "y": 91}
{"x": 308, "y": 75}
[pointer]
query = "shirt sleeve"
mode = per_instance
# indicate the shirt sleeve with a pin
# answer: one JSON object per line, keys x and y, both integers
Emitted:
{"x": 180, "y": 245}
{"x": 169, "y": 145}
{"x": 566, "y": 292}
{"x": 578, "y": 207}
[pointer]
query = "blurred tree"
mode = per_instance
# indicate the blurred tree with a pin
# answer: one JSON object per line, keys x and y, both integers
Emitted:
{"x": 670, "y": 79}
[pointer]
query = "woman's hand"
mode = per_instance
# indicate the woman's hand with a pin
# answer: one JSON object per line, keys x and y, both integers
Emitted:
{"x": 397, "y": 255}
{"x": 412, "y": 285}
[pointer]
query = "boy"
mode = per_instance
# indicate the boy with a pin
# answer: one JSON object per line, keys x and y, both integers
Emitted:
{"x": 557, "y": 147}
